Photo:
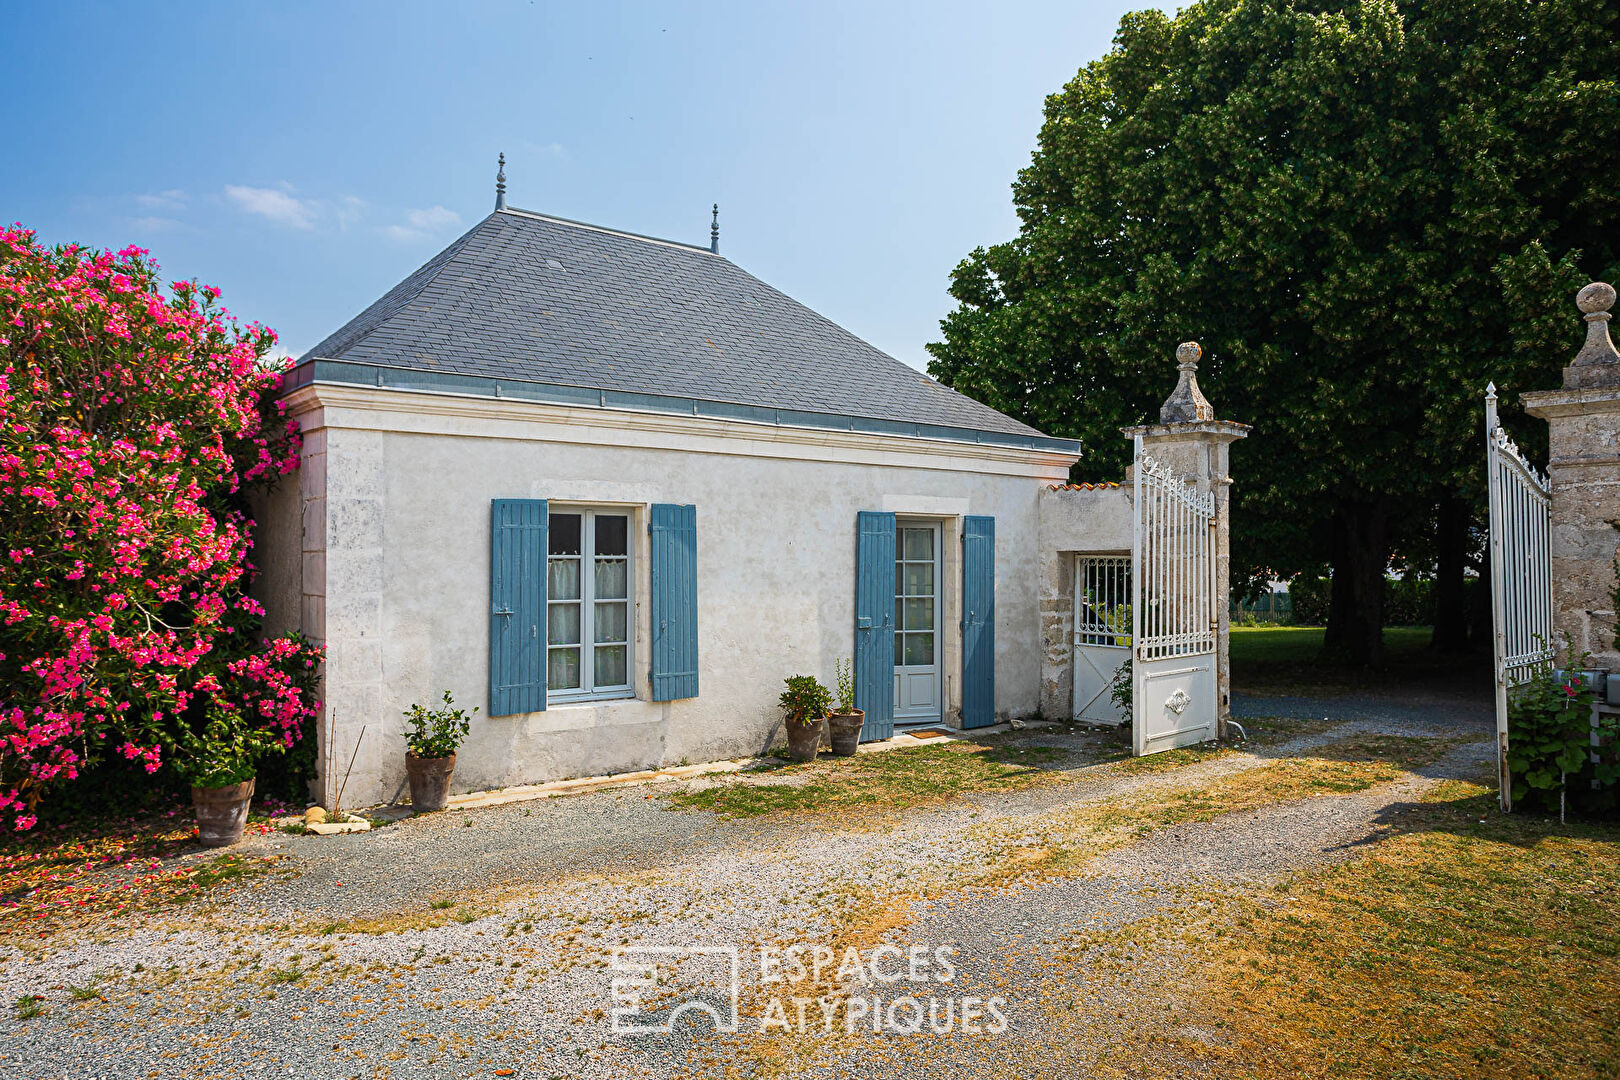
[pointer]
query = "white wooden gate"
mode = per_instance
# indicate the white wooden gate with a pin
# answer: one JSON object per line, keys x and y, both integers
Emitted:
{"x": 1173, "y": 610}
{"x": 1102, "y": 634}
{"x": 1521, "y": 573}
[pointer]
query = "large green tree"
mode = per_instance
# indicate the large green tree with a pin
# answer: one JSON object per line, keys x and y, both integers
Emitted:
{"x": 1364, "y": 210}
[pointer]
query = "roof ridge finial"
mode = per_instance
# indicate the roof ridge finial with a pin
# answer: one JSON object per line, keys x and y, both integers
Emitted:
{"x": 1186, "y": 404}
{"x": 500, "y": 183}
{"x": 714, "y": 230}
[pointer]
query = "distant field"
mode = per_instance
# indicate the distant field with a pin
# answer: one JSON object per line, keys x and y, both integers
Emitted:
{"x": 1287, "y": 657}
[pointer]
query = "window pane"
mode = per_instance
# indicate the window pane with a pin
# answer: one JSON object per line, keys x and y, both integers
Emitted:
{"x": 612, "y": 530}
{"x": 562, "y": 624}
{"x": 611, "y": 666}
{"x": 610, "y": 622}
{"x": 562, "y": 533}
{"x": 919, "y": 614}
{"x": 563, "y": 669}
{"x": 610, "y": 578}
{"x": 919, "y": 650}
{"x": 919, "y": 579}
{"x": 562, "y": 579}
{"x": 899, "y": 615}
{"x": 919, "y": 544}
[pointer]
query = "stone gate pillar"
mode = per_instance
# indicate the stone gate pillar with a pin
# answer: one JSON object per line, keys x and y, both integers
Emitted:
{"x": 1197, "y": 447}
{"x": 1583, "y": 462}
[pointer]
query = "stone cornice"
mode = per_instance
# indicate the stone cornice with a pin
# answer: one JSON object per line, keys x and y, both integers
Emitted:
{"x": 339, "y": 405}
{"x": 1550, "y": 403}
{"x": 1225, "y": 430}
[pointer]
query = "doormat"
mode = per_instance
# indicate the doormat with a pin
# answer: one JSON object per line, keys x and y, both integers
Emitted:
{"x": 928, "y": 733}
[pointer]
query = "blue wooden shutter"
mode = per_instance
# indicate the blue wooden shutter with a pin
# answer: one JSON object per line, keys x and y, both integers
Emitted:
{"x": 874, "y": 622}
{"x": 674, "y": 602}
{"x": 517, "y": 606}
{"x": 978, "y": 621}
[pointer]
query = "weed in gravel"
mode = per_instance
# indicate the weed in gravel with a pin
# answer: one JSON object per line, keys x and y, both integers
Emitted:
{"x": 88, "y": 992}
{"x": 441, "y": 905}
{"x": 29, "y": 1006}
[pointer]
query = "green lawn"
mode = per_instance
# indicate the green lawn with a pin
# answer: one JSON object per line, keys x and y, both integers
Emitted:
{"x": 1281, "y": 658}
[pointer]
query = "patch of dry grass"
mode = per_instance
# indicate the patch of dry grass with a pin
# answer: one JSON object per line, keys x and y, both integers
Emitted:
{"x": 1467, "y": 945}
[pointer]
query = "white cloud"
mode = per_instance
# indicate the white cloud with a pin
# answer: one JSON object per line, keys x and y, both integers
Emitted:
{"x": 421, "y": 224}
{"x": 274, "y": 205}
{"x": 173, "y": 199}
{"x": 155, "y": 224}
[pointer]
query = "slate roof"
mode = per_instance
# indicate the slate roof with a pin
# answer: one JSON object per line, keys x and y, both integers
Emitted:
{"x": 531, "y": 298}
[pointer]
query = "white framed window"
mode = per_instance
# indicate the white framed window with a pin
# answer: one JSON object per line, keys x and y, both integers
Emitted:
{"x": 588, "y": 611}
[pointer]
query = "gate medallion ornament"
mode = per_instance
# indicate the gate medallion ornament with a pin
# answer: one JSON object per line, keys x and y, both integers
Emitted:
{"x": 1178, "y": 702}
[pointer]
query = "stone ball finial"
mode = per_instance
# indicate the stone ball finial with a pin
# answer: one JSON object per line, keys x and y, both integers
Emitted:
{"x": 1186, "y": 404}
{"x": 1598, "y": 296}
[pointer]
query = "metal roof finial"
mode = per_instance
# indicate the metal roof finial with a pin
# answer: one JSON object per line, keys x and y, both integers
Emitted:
{"x": 714, "y": 230}
{"x": 500, "y": 183}
{"x": 1186, "y": 404}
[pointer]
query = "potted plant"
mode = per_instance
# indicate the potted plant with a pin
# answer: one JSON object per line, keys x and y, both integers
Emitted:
{"x": 221, "y": 761}
{"x": 846, "y": 721}
{"x": 804, "y": 705}
{"x": 431, "y": 739}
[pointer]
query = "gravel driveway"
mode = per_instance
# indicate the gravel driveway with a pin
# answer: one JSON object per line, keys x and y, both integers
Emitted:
{"x": 347, "y": 968}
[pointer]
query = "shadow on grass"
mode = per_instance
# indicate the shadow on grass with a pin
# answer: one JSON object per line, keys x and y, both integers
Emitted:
{"x": 1288, "y": 660}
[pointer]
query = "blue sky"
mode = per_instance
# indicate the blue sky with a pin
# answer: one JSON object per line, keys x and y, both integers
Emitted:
{"x": 304, "y": 157}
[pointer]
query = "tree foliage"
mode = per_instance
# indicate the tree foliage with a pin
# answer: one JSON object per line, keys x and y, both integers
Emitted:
{"x": 132, "y": 422}
{"x": 1364, "y": 210}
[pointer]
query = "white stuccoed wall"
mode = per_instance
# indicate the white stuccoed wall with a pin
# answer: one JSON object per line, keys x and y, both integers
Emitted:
{"x": 393, "y": 510}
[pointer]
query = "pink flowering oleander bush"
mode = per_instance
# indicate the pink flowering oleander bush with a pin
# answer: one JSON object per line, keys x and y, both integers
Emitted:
{"x": 134, "y": 420}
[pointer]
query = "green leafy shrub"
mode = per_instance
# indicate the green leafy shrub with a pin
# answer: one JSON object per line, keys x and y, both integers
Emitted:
{"x": 805, "y": 701}
{"x": 436, "y": 733}
{"x": 1549, "y": 737}
{"x": 844, "y": 670}
{"x": 1308, "y": 597}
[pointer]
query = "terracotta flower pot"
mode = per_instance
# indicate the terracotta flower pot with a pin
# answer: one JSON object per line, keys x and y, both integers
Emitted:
{"x": 803, "y": 740}
{"x": 430, "y": 780}
{"x": 846, "y": 731}
{"x": 221, "y": 813}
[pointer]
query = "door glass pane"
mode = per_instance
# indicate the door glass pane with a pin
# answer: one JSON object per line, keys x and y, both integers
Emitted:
{"x": 899, "y": 615}
{"x": 562, "y": 669}
{"x": 611, "y": 666}
{"x": 562, "y": 579}
{"x": 562, "y": 534}
{"x": 919, "y": 650}
{"x": 562, "y": 624}
{"x": 919, "y": 615}
{"x": 610, "y": 579}
{"x": 918, "y": 579}
{"x": 918, "y": 545}
{"x": 610, "y": 622}
{"x": 612, "y": 531}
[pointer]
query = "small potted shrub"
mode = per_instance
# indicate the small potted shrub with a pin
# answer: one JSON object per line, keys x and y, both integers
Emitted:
{"x": 431, "y": 739}
{"x": 221, "y": 761}
{"x": 804, "y": 705}
{"x": 845, "y": 722}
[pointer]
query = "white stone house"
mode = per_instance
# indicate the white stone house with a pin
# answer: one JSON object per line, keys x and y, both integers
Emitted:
{"x": 612, "y": 490}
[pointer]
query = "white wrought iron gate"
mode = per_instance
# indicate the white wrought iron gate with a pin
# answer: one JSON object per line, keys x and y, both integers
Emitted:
{"x": 1521, "y": 573}
{"x": 1173, "y": 615}
{"x": 1102, "y": 634}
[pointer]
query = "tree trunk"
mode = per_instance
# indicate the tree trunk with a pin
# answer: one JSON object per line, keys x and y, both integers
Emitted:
{"x": 1450, "y": 599}
{"x": 1355, "y": 627}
